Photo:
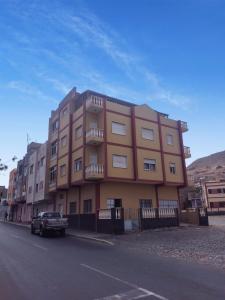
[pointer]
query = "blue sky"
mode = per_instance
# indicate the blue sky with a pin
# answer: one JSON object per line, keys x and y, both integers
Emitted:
{"x": 166, "y": 53}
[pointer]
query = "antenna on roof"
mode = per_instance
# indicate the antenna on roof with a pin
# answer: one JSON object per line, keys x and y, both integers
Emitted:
{"x": 28, "y": 139}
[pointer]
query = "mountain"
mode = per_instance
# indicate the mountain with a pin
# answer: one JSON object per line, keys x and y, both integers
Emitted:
{"x": 211, "y": 167}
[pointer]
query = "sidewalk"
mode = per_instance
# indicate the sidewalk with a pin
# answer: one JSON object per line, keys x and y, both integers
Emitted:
{"x": 88, "y": 235}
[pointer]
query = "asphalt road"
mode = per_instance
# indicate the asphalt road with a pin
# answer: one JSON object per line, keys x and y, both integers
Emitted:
{"x": 33, "y": 268}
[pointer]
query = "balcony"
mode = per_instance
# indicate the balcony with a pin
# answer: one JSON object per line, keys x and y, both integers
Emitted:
{"x": 94, "y": 136}
{"x": 94, "y": 104}
{"x": 94, "y": 171}
{"x": 184, "y": 126}
{"x": 187, "y": 152}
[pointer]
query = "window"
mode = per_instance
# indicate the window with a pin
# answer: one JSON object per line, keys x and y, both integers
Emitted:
{"x": 145, "y": 203}
{"x": 168, "y": 204}
{"x": 169, "y": 139}
{"x": 147, "y": 134}
{"x": 55, "y": 126}
{"x": 41, "y": 185}
{"x": 65, "y": 111}
{"x": 149, "y": 164}
{"x": 119, "y": 161}
{"x": 63, "y": 141}
{"x": 62, "y": 170}
{"x": 31, "y": 169}
{"x": 30, "y": 189}
{"x": 36, "y": 187}
{"x": 42, "y": 161}
{"x": 73, "y": 207}
{"x": 53, "y": 174}
{"x": 110, "y": 203}
{"x": 78, "y": 132}
{"x": 54, "y": 149}
{"x": 172, "y": 168}
{"x": 78, "y": 165}
{"x": 118, "y": 128}
{"x": 87, "y": 206}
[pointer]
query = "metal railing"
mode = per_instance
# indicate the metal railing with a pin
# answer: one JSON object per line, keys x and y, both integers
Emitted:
{"x": 184, "y": 126}
{"x": 94, "y": 169}
{"x": 187, "y": 152}
{"x": 95, "y": 132}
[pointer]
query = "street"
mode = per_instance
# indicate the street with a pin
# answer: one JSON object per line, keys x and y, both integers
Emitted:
{"x": 70, "y": 268}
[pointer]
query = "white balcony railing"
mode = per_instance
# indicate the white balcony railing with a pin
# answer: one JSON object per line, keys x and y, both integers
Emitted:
{"x": 94, "y": 103}
{"x": 94, "y": 169}
{"x": 95, "y": 132}
{"x": 187, "y": 152}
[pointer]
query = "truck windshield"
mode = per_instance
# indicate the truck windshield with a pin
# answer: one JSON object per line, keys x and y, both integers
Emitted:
{"x": 52, "y": 215}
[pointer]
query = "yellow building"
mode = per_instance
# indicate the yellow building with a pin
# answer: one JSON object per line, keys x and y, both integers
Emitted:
{"x": 215, "y": 194}
{"x": 105, "y": 152}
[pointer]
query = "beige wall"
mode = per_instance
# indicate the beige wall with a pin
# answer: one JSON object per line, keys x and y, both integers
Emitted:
{"x": 63, "y": 150}
{"x": 76, "y": 175}
{"x": 156, "y": 175}
{"x": 140, "y": 141}
{"x": 175, "y": 148}
{"x": 129, "y": 193}
{"x": 76, "y": 143}
{"x": 64, "y": 119}
{"x": 119, "y": 172}
{"x": 73, "y": 196}
{"x": 168, "y": 122}
{"x": 62, "y": 180}
{"x": 117, "y": 138}
{"x": 167, "y": 193}
{"x": 118, "y": 108}
{"x": 145, "y": 112}
{"x": 178, "y": 176}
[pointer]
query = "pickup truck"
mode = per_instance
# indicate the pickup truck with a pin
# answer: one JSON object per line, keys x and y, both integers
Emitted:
{"x": 49, "y": 222}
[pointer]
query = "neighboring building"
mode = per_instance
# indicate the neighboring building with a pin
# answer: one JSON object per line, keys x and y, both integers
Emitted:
{"x": 40, "y": 199}
{"x": 22, "y": 211}
{"x": 3, "y": 195}
{"x": 214, "y": 192}
{"x": 191, "y": 197}
{"x": 11, "y": 193}
{"x": 105, "y": 152}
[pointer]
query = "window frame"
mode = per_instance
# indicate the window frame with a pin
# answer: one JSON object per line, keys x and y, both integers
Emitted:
{"x": 148, "y": 129}
{"x": 122, "y": 126}
{"x": 78, "y": 162}
{"x": 172, "y": 168}
{"x": 150, "y": 169}
{"x": 168, "y": 136}
{"x": 63, "y": 141}
{"x": 80, "y": 127}
{"x": 121, "y": 156}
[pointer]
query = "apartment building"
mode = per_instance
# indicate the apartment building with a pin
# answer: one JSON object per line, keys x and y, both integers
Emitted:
{"x": 214, "y": 192}
{"x": 21, "y": 210}
{"x": 41, "y": 200}
{"x": 105, "y": 152}
{"x": 11, "y": 192}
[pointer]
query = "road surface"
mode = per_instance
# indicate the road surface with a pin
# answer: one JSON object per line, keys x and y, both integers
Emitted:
{"x": 34, "y": 268}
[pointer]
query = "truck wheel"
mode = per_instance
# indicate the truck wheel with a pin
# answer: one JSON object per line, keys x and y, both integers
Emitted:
{"x": 42, "y": 231}
{"x": 63, "y": 232}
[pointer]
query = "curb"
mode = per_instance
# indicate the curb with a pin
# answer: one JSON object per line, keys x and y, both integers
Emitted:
{"x": 16, "y": 224}
{"x": 86, "y": 237}
{"x": 81, "y": 236}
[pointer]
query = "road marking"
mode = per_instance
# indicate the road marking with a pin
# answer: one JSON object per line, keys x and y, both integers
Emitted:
{"x": 134, "y": 286}
{"x": 129, "y": 295}
{"x": 40, "y": 247}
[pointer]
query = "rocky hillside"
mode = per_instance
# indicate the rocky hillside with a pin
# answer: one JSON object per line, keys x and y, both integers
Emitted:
{"x": 211, "y": 167}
